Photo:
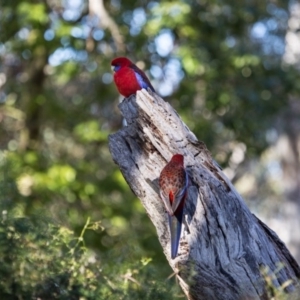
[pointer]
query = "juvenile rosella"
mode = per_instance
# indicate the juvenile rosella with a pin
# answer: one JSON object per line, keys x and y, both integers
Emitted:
{"x": 173, "y": 183}
{"x": 128, "y": 77}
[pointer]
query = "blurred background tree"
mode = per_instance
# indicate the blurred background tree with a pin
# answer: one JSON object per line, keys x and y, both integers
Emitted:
{"x": 229, "y": 68}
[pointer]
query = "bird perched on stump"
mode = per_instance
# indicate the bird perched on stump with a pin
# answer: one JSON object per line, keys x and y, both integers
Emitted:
{"x": 128, "y": 77}
{"x": 173, "y": 183}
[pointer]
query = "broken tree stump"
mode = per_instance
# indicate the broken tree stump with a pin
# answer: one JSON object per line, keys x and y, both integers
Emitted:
{"x": 228, "y": 252}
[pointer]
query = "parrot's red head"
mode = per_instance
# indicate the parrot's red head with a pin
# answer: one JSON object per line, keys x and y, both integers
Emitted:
{"x": 119, "y": 63}
{"x": 177, "y": 158}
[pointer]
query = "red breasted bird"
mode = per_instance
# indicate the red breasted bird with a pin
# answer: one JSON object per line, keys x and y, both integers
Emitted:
{"x": 128, "y": 77}
{"x": 173, "y": 183}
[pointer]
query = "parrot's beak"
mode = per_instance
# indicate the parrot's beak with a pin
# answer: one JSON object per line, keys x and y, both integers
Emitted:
{"x": 112, "y": 68}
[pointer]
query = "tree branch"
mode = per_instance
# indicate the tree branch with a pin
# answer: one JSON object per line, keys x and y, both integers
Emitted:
{"x": 96, "y": 8}
{"x": 227, "y": 247}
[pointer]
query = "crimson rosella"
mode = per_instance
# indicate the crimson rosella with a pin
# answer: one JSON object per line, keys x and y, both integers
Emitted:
{"x": 128, "y": 77}
{"x": 173, "y": 183}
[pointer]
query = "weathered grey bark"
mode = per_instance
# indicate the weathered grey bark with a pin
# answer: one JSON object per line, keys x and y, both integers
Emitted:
{"x": 227, "y": 247}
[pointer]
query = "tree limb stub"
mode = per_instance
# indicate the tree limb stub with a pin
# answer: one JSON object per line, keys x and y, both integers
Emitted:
{"x": 227, "y": 249}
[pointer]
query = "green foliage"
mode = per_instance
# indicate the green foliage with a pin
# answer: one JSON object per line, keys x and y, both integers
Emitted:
{"x": 32, "y": 12}
{"x": 278, "y": 293}
{"x": 44, "y": 261}
{"x": 90, "y": 132}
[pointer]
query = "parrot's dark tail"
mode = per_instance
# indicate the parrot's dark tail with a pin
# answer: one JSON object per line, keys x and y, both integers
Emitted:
{"x": 175, "y": 223}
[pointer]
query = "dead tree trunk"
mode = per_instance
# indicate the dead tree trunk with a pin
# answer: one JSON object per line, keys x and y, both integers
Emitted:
{"x": 228, "y": 252}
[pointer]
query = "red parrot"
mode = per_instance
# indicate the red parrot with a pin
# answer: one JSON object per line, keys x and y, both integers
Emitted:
{"x": 128, "y": 77}
{"x": 173, "y": 183}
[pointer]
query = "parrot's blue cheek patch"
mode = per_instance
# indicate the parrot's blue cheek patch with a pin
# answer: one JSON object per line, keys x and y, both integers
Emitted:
{"x": 116, "y": 68}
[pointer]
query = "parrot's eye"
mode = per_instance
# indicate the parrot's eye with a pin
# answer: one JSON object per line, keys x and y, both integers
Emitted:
{"x": 116, "y": 68}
